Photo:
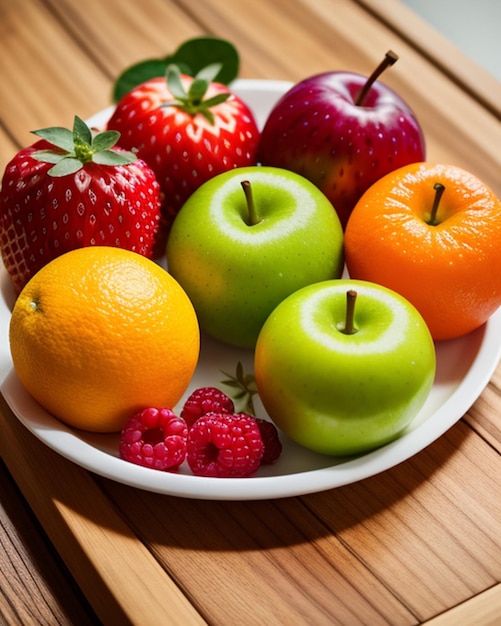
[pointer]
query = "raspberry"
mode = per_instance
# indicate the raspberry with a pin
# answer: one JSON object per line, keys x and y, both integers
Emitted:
{"x": 225, "y": 445}
{"x": 206, "y": 400}
{"x": 154, "y": 438}
{"x": 271, "y": 441}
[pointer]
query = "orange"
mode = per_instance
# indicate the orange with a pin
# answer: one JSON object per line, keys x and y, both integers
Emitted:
{"x": 447, "y": 266}
{"x": 100, "y": 333}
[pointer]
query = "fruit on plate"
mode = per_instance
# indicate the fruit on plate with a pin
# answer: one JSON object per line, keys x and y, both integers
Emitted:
{"x": 431, "y": 232}
{"x": 154, "y": 438}
{"x": 72, "y": 189}
{"x": 205, "y": 400}
{"x": 215, "y": 440}
{"x": 247, "y": 239}
{"x": 224, "y": 445}
{"x": 342, "y": 367}
{"x": 188, "y": 130}
{"x": 99, "y": 333}
{"x": 342, "y": 131}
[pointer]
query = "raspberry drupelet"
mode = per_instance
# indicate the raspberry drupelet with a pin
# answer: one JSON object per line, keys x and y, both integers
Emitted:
{"x": 154, "y": 438}
{"x": 206, "y": 400}
{"x": 225, "y": 445}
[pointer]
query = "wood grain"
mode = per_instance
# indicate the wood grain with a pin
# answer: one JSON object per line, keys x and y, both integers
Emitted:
{"x": 483, "y": 610}
{"x": 35, "y": 587}
{"x": 112, "y": 568}
{"x": 49, "y": 78}
{"x": 473, "y": 79}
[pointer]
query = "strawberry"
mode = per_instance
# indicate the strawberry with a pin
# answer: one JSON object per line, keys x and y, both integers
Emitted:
{"x": 71, "y": 189}
{"x": 187, "y": 129}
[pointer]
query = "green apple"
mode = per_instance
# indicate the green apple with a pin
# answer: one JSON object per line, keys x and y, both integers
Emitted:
{"x": 245, "y": 240}
{"x": 343, "y": 366}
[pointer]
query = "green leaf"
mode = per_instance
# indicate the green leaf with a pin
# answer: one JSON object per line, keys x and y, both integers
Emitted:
{"x": 200, "y": 52}
{"x": 112, "y": 157}
{"x": 174, "y": 83}
{"x": 220, "y": 97}
{"x": 197, "y": 89}
{"x": 191, "y": 57}
{"x": 209, "y": 72}
{"x": 57, "y": 136}
{"x": 137, "y": 74}
{"x": 68, "y": 165}
{"x": 81, "y": 132}
{"x": 246, "y": 385}
{"x": 49, "y": 156}
{"x": 105, "y": 140}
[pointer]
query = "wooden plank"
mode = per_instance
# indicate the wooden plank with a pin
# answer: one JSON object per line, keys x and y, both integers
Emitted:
{"x": 35, "y": 587}
{"x": 134, "y": 31}
{"x": 484, "y": 415}
{"x": 34, "y": 47}
{"x": 483, "y": 610}
{"x": 250, "y": 563}
{"x": 469, "y": 75}
{"x": 428, "y": 529}
{"x": 8, "y": 147}
{"x": 113, "y": 569}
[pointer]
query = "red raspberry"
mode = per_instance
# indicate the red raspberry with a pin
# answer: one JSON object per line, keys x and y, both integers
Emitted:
{"x": 154, "y": 438}
{"x": 225, "y": 445}
{"x": 206, "y": 400}
{"x": 271, "y": 441}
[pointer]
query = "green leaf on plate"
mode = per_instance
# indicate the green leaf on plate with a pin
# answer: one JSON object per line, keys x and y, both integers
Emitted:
{"x": 191, "y": 57}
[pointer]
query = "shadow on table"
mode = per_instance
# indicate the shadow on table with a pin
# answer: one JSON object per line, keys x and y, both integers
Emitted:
{"x": 256, "y": 525}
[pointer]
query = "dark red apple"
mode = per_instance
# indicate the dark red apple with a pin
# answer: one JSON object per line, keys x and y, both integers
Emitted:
{"x": 343, "y": 132}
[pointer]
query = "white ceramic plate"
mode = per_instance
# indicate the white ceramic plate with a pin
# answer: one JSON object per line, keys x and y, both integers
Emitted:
{"x": 465, "y": 366}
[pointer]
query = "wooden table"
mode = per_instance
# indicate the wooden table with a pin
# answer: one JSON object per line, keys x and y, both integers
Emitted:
{"x": 420, "y": 543}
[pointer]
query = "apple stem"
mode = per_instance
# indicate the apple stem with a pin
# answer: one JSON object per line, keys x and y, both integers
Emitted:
{"x": 349, "y": 325}
{"x": 439, "y": 190}
{"x": 389, "y": 59}
{"x": 252, "y": 217}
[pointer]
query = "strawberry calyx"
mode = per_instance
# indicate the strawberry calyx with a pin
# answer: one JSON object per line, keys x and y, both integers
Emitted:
{"x": 192, "y": 101}
{"x": 72, "y": 149}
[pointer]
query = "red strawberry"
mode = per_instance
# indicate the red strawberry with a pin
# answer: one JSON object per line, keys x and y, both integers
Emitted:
{"x": 188, "y": 130}
{"x": 70, "y": 190}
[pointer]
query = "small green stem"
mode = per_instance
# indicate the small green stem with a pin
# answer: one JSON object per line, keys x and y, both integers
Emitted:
{"x": 349, "y": 325}
{"x": 439, "y": 190}
{"x": 84, "y": 152}
{"x": 389, "y": 59}
{"x": 252, "y": 217}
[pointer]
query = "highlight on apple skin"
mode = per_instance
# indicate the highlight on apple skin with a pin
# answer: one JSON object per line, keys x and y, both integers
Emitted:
{"x": 343, "y": 131}
{"x": 342, "y": 387}
{"x": 247, "y": 239}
